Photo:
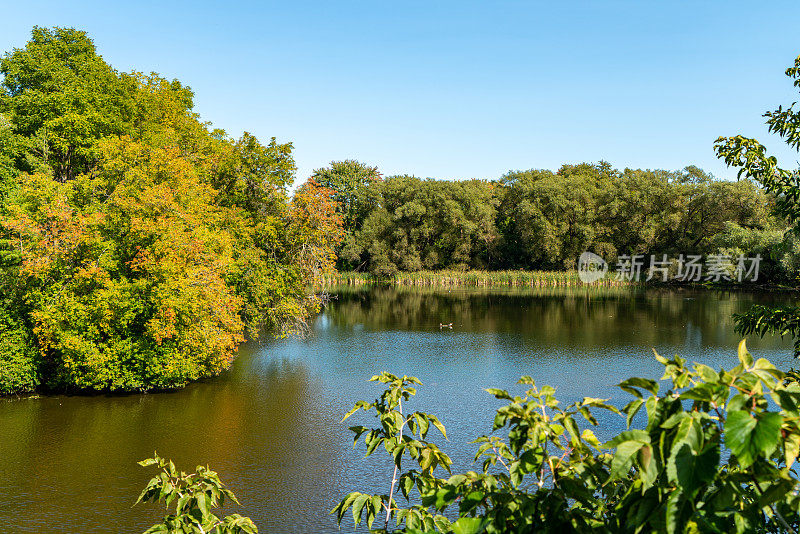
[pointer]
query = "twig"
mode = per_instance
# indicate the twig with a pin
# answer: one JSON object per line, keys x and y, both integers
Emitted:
{"x": 774, "y": 511}
{"x": 394, "y": 476}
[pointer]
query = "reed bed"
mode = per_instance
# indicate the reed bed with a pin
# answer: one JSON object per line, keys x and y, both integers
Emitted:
{"x": 473, "y": 279}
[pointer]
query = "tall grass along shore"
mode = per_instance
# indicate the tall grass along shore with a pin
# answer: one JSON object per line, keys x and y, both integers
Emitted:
{"x": 473, "y": 279}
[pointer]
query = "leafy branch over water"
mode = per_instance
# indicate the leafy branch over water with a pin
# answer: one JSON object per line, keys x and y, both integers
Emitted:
{"x": 195, "y": 496}
{"x": 392, "y": 434}
{"x": 716, "y": 454}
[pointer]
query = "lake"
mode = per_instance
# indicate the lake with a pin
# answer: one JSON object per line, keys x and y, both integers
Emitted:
{"x": 271, "y": 425}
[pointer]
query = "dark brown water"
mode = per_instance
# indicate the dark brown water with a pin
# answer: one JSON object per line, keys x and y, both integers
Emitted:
{"x": 270, "y": 426}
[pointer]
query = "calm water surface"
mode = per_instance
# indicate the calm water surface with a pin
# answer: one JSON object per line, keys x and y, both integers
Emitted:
{"x": 270, "y": 426}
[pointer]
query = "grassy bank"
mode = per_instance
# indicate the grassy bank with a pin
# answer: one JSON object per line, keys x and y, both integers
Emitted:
{"x": 473, "y": 279}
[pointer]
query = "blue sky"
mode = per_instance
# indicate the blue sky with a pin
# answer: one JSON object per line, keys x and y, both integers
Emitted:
{"x": 460, "y": 89}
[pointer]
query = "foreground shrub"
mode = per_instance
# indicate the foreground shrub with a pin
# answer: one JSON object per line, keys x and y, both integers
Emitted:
{"x": 713, "y": 453}
{"x": 194, "y": 495}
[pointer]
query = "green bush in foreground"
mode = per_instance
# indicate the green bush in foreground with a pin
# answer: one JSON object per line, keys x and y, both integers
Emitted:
{"x": 195, "y": 495}
{"x": 716, "y": 455}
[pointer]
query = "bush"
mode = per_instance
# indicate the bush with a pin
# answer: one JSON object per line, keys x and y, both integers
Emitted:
{"x": 715, "y": 455}
{"x": 195, "y": 496}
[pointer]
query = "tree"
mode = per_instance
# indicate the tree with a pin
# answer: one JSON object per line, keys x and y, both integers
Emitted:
{"x": 141, "y": 245}
{"x": 354, "y": 188}
{"x": 19, "y": 358}
{"x": 429, "y": 224}
{"x": 124, "y": 273}
{"x": 11, "y": 150}
{"x": 352, "y": 185}
{"x": 753, "y": 161}
{"x": 62, "y": 98}
{"x": 539, "y": 219}
{"x": 549, "y": 219}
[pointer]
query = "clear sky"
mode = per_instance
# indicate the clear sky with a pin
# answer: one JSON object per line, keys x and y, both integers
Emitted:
{"x": 460, "y": 89}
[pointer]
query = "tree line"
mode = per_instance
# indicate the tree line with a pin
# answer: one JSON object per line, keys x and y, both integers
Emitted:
{"x": 543, "y": 220}
{"x": 138, "y": 244}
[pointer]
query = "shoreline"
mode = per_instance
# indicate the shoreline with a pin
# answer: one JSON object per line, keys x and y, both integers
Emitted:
{"x": 524, "y": 279}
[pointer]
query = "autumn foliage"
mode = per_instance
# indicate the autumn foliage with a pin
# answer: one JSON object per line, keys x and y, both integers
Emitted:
{"x": 146, "y": 264}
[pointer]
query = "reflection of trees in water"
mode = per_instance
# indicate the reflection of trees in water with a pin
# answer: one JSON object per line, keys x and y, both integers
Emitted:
{"x": 556, "y": 316}
{"x": 266, "y": 435}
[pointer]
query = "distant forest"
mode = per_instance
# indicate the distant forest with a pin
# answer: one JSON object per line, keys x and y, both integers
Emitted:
{"x": 543, "y": 220}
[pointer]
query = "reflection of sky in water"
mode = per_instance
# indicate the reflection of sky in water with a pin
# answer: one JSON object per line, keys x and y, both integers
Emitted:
{"x": 270, "y": 426}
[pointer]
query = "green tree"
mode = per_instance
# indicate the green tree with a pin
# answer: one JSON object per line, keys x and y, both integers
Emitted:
{"x": 355, "y": 189}
{"x": 549, "y": 219}
{"x": 62, "y": 98}
{"x": 352, "y": 183}
{"x": 753, "y": 161}
{"x": 429, "y": 224}
{"x": 18, "y": 355}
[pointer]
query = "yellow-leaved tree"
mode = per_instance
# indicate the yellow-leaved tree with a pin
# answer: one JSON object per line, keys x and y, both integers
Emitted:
{"x": 144, "y": 262}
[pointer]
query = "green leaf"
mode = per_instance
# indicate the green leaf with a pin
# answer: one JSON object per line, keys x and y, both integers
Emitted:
{"x": 588, "y": 436}
{"x": 623, "y": 458}
{"x": 648, "y": 465}
{"x": 441, "y": 498}
{"x": 471, "y": 500}
{"x": 203, "y": 504}
{"x": 598, "y": 403}
{"x": 358, "y": 406}
{"x": 628, "y": 435}
{"x": 435, "y": 420}
{"x": 775, "y": 491}
{"x": 707, "y": 392}
{"x": 750, "y": 437}
{"x": 768, "y": 433}
{"x": 468, "y": 525}
{"x": 342, "y": 507}
{"x": 373, "y": 441}
{"x": 674, "y": 512}
{"x": 706, "y": 373}
{"x": 631, "y": 384}
{"x": 791, "y": 448}
{"x": 358, "y": 507}
{"x": 689, "y": 432}
{"x": 767, "y": 372}
{"x": 745, "y": 357}
{"x": 499, "y": 393}
{"x": 788, "y": 400}
{"x": 375, "y": 507}
{"x": 738, "y": 402}
{"x": 631, "y": 409}
{"x": 423, "y": 422}
{"x": 442, "y": 523}
{"x": 739, "y": 428}
{"x": 406, "y": 484}
{"x": 528, "y": 462}
{"x": 691, "y": 470}
{"x": 572, "y": 428}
